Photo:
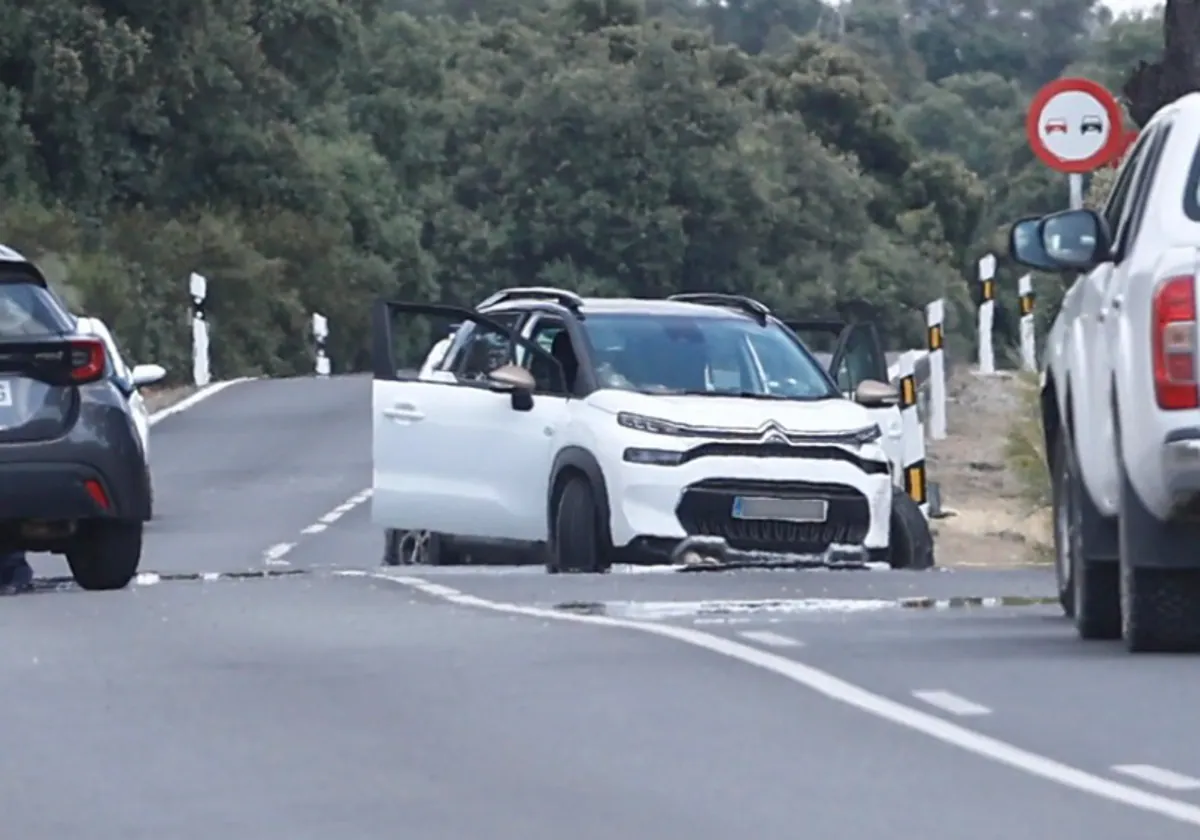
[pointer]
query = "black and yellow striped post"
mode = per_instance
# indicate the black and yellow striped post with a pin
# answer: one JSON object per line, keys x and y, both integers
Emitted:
{"x": 935, "y": 408}
{"x": 1026, "y": 323}
{"x": 987, "y": 313}
{"x": 915, "y": 484}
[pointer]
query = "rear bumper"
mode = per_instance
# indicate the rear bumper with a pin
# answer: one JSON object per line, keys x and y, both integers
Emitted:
{"x": 60, "y": 491}
{"x": 55, "y": 491}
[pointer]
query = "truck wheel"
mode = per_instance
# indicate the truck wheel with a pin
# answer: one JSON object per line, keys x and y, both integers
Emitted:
{"x": 1088, "y": 586}
{"x": 105, "y": 555}
{"x": 1160, "y": 607}
{"x": 580, "y": 542}
{"x": 910, "y": 539}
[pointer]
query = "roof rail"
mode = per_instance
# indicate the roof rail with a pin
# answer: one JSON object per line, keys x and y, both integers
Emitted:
{"x": 759, "y": 311}
{"x": 562, "y": 297}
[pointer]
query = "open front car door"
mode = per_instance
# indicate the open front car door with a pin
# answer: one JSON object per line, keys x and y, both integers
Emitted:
{"x": 466, "y": 454}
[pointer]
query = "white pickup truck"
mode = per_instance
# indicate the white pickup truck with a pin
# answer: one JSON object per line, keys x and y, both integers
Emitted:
{"x": 1120, "y": 401}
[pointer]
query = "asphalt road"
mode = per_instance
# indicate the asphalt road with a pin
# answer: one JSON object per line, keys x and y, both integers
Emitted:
{"x": 516, "y": 706}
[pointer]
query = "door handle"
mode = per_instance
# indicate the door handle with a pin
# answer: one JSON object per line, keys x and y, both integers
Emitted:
{"x": 403, "y": 413}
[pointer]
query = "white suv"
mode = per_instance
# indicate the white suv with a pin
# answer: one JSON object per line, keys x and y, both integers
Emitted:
{"x": 698, "y": 426}
{"x": 1120, "y": 400}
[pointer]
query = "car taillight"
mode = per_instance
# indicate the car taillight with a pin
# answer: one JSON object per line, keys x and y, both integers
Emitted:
{"x": 87, "y": 361}
{"x": 1174, "y": 337}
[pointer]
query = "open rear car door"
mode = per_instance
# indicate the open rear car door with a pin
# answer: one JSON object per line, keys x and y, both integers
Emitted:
{"x": 853, "y": 353}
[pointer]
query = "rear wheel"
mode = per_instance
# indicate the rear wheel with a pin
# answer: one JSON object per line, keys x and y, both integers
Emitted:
{"x": 1088, "y": 588}
{"x": 910, "y": 539}
{"x": 1160, "y": 606}
{"x": 580, "y": 542}
{"x": 419, "y": 548}
{"x": 105, "y": 554}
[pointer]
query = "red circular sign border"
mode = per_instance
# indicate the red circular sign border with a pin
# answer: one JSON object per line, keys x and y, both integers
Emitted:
{"x": 1107, "y": 153}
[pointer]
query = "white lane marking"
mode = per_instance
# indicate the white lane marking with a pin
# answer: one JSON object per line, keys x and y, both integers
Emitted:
{"x": 766, "y": 637}
{"x": 274, "y": 555}
{"x": 853, "y": 695}
{"x": 1158, "y": 776}
{"x": 326, "y": 519}
{"x": 952, "y": 703}
{"x": 189, "y": 401}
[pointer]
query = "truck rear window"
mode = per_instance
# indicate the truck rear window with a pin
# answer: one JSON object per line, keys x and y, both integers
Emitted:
{"x": 27, "y": 310}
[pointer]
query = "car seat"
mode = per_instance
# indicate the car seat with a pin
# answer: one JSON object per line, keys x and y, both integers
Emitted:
{"x": 562, "y": 351}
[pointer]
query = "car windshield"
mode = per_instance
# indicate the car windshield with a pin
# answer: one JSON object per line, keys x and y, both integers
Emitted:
{"x": 686, "y": 354}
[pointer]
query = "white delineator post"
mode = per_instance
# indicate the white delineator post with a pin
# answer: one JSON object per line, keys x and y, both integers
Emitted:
{"x": 915, "y": 483}
{"x": 1028, "y": 345}
{"x": 198, "y": 287}
{"x": 320, "y": 328}
{"x": 987, "y": 313}
{"x": 935, "y": 316}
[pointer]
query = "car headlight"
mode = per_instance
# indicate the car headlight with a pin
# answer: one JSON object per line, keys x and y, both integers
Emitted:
{"x": 867, "y": 434}
{"x": 653, "y": 425}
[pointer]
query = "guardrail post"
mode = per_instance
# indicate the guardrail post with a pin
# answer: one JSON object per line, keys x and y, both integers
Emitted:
{"x": 1028, "y": 344}
{"x": 198, "y": 286}
{"x": 935, "y": 315}
{"x": 320, "y": 328}
{"x": 987, "y": 313}
{"x": 915, "y": 479}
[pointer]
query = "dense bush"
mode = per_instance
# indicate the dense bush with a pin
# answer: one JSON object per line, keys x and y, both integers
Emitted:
{"x": 311, "y": 154}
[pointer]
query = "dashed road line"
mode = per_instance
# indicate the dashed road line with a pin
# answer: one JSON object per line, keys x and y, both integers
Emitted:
{"x": 766, "y": 637}
{"x": 274, "y": 556}
{"x": 952, "y": 703}
{"x": 1159, "y": 776}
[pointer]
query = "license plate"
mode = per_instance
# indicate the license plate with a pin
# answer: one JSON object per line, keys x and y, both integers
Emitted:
{"x": 780, "y": 510}
{"x": 5, "y": 393}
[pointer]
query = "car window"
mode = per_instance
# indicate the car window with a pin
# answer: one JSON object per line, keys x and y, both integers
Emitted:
{"x": 551, "y": 378}
{"x": 861, "y": 360}
{"x": 484, "y": 350}
{"x": 704, "y": 355}
{"x": 462, "y": 337}
{"x": 29, "y": 311}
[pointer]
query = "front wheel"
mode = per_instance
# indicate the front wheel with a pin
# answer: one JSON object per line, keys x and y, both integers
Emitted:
{"x": 910, "y": 539}
{"x": 105, "y": 554}
{"x": 580, "y": 542}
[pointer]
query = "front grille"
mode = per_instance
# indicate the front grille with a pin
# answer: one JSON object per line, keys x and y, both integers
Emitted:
{"x": 785, "y": 450}
{"x": 706, "y": 509}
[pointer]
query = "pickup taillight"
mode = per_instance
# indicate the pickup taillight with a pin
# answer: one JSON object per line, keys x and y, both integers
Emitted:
{"x": 1174, "y": 337}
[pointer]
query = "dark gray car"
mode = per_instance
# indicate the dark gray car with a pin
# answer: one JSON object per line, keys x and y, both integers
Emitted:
{"x": 73, "y": 473}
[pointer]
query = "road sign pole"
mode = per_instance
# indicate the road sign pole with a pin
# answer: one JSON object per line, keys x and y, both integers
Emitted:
{"x": 1075, "y": 184}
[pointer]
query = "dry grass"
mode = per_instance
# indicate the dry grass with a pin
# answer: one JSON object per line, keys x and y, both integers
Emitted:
{"x": 159, "y": 398}
{"x": 994, "y": 522}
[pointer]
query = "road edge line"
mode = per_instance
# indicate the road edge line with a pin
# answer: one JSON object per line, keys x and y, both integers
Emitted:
{"x": 191, "y": 400}
{"x": 850, "y": 694}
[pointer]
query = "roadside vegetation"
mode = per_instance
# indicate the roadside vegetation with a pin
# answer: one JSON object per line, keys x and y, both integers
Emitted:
{"x": 311, "y": 155}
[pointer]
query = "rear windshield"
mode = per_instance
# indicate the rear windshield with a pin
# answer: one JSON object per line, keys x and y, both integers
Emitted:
{"x": 30, "y": 311}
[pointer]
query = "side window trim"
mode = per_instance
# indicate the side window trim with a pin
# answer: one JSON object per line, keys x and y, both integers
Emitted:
{"x": 1124, "y": 236}
{"x": 1114, "y": 208}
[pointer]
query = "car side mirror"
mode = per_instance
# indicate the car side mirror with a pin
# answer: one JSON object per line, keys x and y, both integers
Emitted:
{"x": 514, "y": 380}
{"x": 1071, "y": 240}
{"x": 871, "y": 393}
{"x": 143, "y": 375}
